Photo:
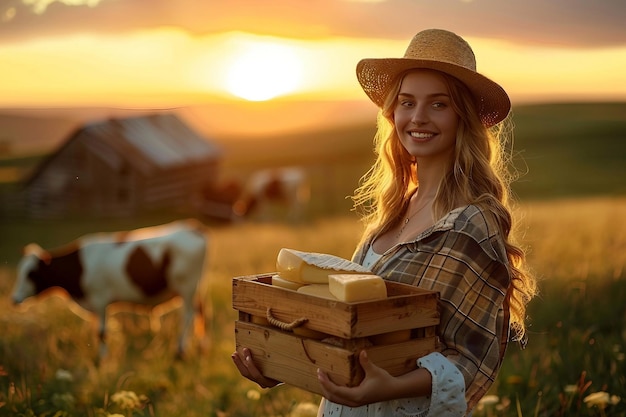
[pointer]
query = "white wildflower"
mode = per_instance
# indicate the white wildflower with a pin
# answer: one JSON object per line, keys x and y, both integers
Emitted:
{"x": 253, "y": 395}
{"x": 489, "y": 400}
{"x": 128, "y": 400}
{"x": 64, "y": 375}
{"x": 304, "y": 410}
{"x": 600, "y": 399}
{"x": 571, "y": 389}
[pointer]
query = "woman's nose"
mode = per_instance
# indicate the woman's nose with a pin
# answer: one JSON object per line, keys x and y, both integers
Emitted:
{"x": 419, "y": 115}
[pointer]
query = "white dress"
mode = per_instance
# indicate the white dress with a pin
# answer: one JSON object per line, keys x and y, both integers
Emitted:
{"x": 447, "y": 398}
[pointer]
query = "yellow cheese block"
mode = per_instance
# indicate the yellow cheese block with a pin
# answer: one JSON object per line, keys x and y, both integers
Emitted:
{"x": 313, "y": 268}
{"x": 283, "y": 283}
{"x": 317, "y": 290}
{"x": 352, "y": 288}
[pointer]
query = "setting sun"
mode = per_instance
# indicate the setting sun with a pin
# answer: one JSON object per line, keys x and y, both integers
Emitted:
{"x": 264, "y": 71}
{"x": 171, "y": 68}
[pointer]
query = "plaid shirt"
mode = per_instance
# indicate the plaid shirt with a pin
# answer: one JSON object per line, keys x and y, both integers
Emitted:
{"x": 463, "y": 258}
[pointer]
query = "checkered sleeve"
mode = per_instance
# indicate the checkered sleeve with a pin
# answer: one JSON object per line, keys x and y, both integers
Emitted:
{"x": 472, "y": 289}
{"x": 467, "y": 265}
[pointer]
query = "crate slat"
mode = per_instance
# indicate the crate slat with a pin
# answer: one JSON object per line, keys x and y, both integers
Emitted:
{"x": 346, "y": 329}
{"x": 406, "y": 307}
{"x": 295, "y": 360}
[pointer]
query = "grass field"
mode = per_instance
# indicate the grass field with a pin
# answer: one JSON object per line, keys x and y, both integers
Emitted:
{"x": 574, "y": 215}
{"x": 560, "y": 150}
{"x": 577, "y": 334}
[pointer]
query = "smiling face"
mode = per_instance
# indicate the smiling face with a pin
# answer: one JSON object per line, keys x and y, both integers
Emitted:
{"x": 425, "y": 120}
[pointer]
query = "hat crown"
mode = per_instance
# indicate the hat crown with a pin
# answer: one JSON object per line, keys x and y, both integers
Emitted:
{"x": 443, "y": 46}
{"x": 438, "y": 50}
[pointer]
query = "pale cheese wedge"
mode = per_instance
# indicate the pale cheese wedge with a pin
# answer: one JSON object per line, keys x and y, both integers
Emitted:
{"x": 283, "y": 283}
{"x": 313, "y": 268}
{"x": 317, "y": 290}
{"x": 352, "y": 288}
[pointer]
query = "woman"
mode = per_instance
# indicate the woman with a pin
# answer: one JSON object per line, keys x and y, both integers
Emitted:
{"x": 436, "y": 210}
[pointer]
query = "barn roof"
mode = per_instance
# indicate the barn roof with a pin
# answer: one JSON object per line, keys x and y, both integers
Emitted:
{"x": 148, "y": 143}
{"x": 162, "y": 140}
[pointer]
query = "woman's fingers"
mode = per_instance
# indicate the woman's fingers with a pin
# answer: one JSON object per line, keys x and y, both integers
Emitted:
{"x": 239, "y": 362}
{"x": 247, "y": 368}
{"x": 369, "y": 390}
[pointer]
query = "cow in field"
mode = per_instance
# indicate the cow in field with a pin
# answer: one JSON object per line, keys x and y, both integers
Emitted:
{"x": 143, "y": 267}
{"x": 284, "y": 188}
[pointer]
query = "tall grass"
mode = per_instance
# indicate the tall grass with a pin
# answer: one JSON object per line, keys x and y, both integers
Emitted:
{"x": 577, "y": 335}
{"x": 576, "y": 346}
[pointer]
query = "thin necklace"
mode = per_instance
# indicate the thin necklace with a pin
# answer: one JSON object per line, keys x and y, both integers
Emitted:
{"x": 408, "y": 218}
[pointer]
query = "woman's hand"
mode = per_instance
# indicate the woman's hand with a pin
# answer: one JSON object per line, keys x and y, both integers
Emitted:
{"x": 377, "y": 385}
{"x": 244, "y": 363}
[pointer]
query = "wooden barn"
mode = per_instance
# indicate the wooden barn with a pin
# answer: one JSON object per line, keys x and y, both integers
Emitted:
{"x": 123, "y": 166}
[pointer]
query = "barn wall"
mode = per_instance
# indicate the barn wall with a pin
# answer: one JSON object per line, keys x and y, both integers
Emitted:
{"x": 111, "y": 189}
{"x": 53, "y": 192}
{"x": 100, "y": 191}
{"x": 179, "y": 186}
{"x": 97, "y": 173}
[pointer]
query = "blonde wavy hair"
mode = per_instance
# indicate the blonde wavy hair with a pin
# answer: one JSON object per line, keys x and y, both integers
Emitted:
{"x": 479, "y": 174}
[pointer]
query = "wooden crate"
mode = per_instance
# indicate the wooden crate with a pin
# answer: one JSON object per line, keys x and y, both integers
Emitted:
{"x": 350, "y": 327}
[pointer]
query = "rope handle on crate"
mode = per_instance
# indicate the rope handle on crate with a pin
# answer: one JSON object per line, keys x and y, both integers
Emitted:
{"x": 281, "y": 324}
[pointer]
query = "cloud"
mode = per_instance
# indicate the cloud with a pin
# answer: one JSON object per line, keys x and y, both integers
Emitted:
{"x": 40, "y": 6}
{"x": 564, "y": 23}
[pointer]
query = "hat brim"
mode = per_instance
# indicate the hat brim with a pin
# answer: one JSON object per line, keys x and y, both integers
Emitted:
{"x": 376, "y": 75}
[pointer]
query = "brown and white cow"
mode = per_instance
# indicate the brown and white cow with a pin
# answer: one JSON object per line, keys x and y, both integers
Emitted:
{"x": 285, "y": 187}
{"x": 146, "y": 267}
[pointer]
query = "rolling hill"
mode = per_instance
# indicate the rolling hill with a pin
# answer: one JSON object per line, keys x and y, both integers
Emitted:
{"x": 561, "y": 150}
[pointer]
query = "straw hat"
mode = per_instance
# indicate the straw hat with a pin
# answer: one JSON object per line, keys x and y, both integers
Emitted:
{"x": 443, "y": 51}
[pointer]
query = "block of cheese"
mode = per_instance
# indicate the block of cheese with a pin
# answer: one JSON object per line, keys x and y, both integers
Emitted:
{"x": 283, "y": 283}
{"x": 312, "y": 267}
{"x": 352, "y": 288}
{"x": 317, "y": 290}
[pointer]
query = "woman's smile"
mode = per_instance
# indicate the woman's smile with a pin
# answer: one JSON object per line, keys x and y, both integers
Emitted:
{"x": 422, "y": 135}
{"x": 425, "y": 121}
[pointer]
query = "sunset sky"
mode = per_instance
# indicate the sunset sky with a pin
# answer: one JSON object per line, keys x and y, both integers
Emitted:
{"x": 167, "y": 53}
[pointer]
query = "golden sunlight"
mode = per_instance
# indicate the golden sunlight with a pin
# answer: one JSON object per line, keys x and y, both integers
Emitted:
{"x": 264, "y": 71}
{"x": 170, "y": 67}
